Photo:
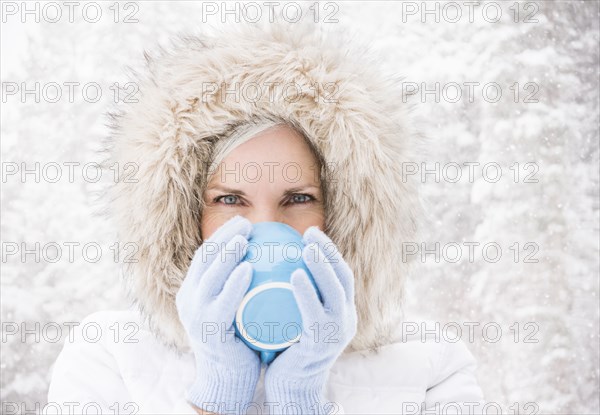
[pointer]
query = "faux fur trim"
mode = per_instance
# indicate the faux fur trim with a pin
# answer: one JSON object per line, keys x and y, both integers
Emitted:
{"x": 365, "y": 135}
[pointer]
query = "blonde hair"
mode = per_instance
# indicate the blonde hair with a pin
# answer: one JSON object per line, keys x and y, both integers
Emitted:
{"x": 236, "y": 137}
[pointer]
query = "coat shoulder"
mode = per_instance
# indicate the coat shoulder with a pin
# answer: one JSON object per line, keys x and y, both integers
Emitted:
{"x": 422, "y": 355}
{"x": 87, "y": 361}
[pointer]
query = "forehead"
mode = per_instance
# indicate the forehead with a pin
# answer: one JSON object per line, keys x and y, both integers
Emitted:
{"x": 277, "y": 155}
{"x": 280, "y": 143}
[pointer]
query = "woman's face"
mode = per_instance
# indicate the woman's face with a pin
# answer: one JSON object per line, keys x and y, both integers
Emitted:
{"x": 271, "y": 177}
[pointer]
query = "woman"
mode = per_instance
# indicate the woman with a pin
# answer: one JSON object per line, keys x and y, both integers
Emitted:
{"x": 327, "y": 135}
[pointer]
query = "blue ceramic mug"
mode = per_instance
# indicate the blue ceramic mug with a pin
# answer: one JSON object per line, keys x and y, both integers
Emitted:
{"x": 268, "y": 319}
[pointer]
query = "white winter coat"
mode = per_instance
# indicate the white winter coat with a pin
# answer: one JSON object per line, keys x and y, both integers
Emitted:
{"x": 134, "y": 373}
{"x": 357, "y": 119}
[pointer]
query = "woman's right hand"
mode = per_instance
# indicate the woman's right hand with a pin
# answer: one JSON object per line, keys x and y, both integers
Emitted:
{"x": 226, "y": 369}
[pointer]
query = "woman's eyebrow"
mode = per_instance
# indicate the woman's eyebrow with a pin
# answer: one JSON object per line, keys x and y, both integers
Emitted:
{"x": 227, "y": 190}
{"x": 241, "y": 192}
{"x": 300, "y": 188}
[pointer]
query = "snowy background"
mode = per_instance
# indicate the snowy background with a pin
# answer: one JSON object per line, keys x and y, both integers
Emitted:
{"x": 547, "y": 310}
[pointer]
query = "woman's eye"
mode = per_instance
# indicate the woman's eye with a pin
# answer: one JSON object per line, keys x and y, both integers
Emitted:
{"x": 301, "y": 198}
{"x": 227, "y": 199}
{"x": 233, "y": 200}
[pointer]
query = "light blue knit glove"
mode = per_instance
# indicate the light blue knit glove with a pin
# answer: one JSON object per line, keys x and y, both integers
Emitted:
{"x": 296, "y": 379}
{"x": 226, "y": 369}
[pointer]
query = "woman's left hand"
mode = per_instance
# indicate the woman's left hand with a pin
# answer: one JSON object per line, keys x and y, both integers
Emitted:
{"x": 297, "y": 377}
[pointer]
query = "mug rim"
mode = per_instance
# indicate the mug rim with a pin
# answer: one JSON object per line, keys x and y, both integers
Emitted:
{"x": 239, "y": 322}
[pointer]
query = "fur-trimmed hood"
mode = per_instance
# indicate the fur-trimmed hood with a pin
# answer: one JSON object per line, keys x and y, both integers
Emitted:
{"x": 358, "y": 122}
